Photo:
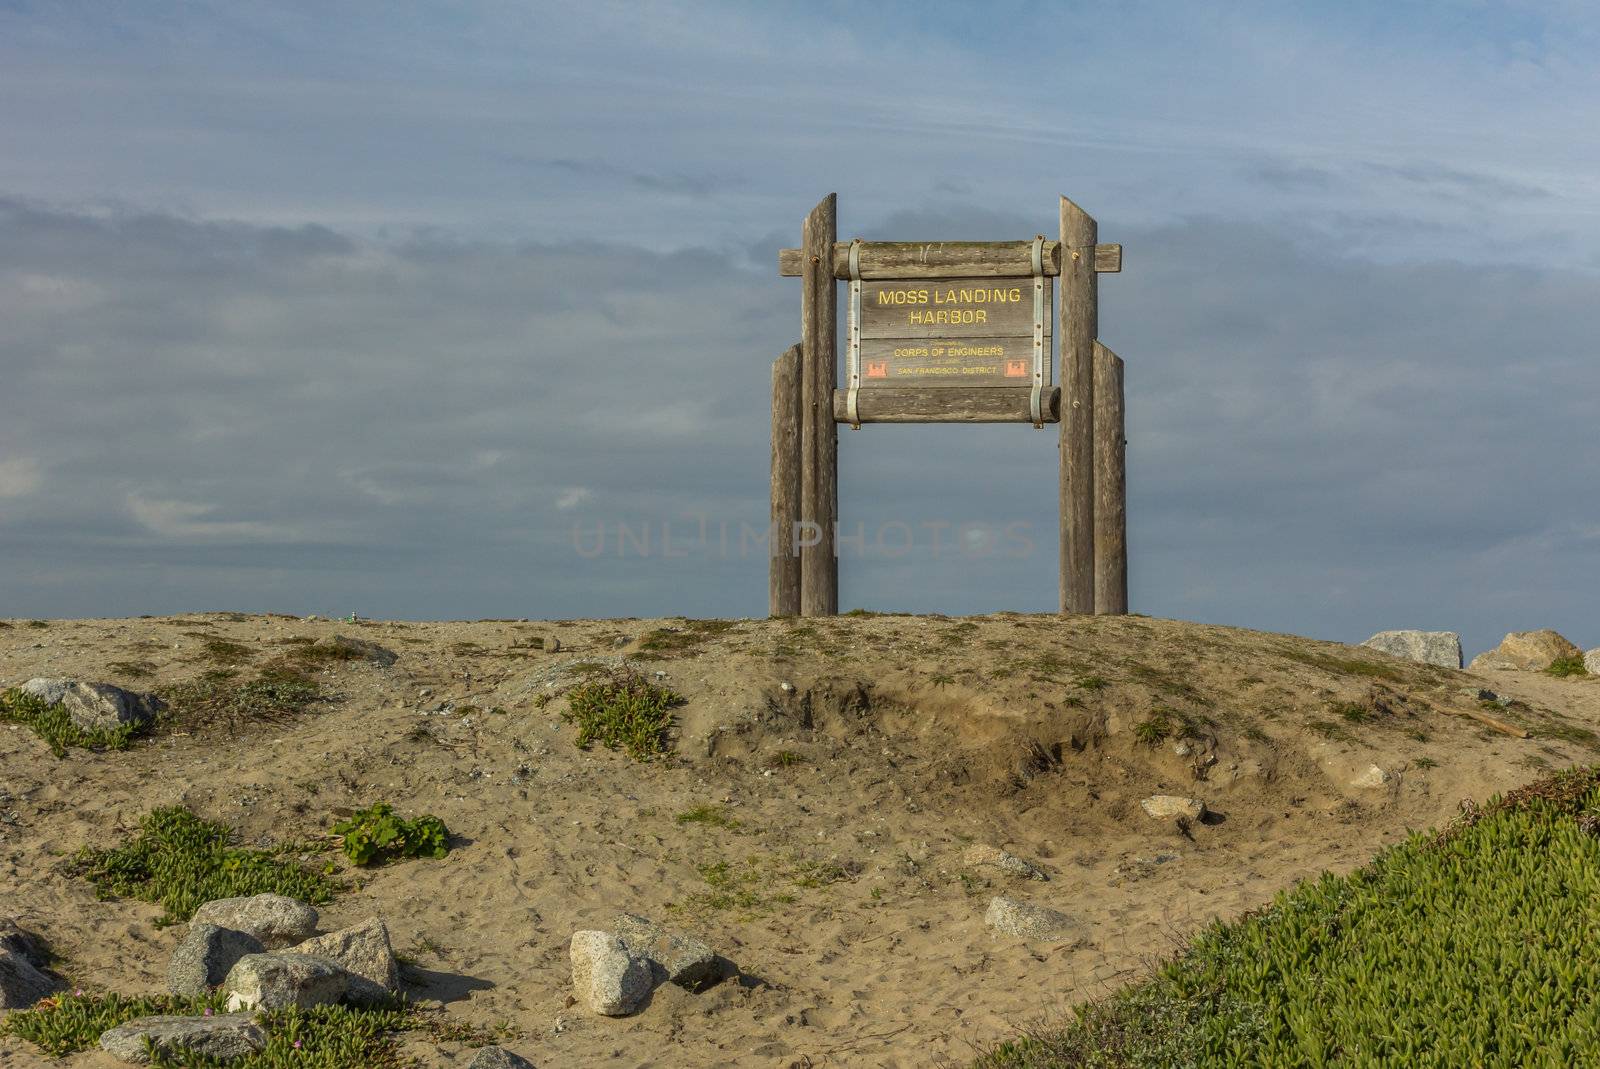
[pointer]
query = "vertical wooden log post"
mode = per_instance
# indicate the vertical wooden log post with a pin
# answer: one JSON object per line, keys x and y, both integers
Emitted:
{"x": 1079, "y": 325}
{"x": 819, "y": 438}
{"x": 783, "y": 568}
{"x": 1110, "y": 487}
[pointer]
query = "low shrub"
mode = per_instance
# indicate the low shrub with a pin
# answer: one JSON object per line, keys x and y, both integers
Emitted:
{"x": 1562, "y": 667}
{"x": 622, "y": 710}
{"x": 180, "y": 861}
{"x": 52, "y": 724}
{"x": 324, "y": 1037}
{"x": 375, "y": 835}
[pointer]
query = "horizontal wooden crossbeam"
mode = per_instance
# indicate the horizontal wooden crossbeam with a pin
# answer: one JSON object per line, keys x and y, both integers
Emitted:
{"x": 949, "y": 259}
{"x": 947, "y": 404}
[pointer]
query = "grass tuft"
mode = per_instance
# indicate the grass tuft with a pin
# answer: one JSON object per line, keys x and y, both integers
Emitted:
{"x": 218, "y": 699}
{"x": 622, "y": 710}
{"x": 180, "y": 861}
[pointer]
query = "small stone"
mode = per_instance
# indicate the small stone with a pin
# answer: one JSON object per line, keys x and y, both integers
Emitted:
{"x": 606, "y": 978}
{"x": 552, "y": 645}
{"x": 95, "y": 706}
{"x": 1182, "y": 749}
{"x": 220, "y": 1036}
{"x": 1525, "y": 650}
{"x": 1173, "y": 806}
{"x": 278, "y": 981}
{"x": 498, "y": 1058}
{"x": 619, "y": 642}
{"x": 204, "y": 956}
{"x": 1442, "y": 648}
{"x": 360, "y": 647}
{"x": 687, "y": 961}
{"x": 1373, "y": 777}
{"x": 982, "y": 855}
{"x": 278, "y": 921}
{"x": 1027, "y": 921}
{"x": 363, "y": 951}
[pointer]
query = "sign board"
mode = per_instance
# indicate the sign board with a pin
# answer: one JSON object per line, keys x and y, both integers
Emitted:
{"x": 957, "y": 332}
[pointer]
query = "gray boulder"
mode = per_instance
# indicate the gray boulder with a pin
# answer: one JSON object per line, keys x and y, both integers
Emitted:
{"x": 23, "y": 956}
{"x": 1529, "y": 651}
{"x": 205, "y": 955}
{"x": 1173, "y": 806}
{"x": 360, "y": 647}
{"x": 686, "y": 961}
{"x": 498, "y": 1058}
{"x": 981, "y": 855}
{"x": 606, "y": 978}
{"x": 1442, "y": 648}
{"x": 221, "y": 1036}
{"x": 1591, "y": 661}
{"x": 95, "y": 706}
{"x": 363, "y": 951}
{"x": 1027, "y": 921}
{"x": 278, "y": 921}
{"x": 278, "y": 981}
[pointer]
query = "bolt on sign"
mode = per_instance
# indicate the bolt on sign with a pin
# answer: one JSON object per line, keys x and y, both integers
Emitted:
{"x": 948, "y": 332}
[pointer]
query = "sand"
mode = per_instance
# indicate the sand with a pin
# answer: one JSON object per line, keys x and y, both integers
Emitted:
{"x": 905, "y": 741}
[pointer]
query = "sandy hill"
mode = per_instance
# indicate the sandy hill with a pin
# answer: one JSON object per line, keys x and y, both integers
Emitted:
{"x": 813, "y": 825}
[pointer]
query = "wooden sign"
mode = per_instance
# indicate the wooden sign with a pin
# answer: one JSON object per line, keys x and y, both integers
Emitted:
{"x": 949, "y": 332}
{"x": 958, "y": 332}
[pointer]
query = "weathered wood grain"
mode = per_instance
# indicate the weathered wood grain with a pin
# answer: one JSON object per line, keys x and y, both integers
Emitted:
{"x": 1110, "y": 487}
{"x": 936, "y": 405}
{"x": 933, "y": 259}
{"x": 783, "y": 570}
{"x": 1108, "y": 258}
{"x": 819, "y": 445}
{"x": 1079, "y": 325}
{"x": 948, "y": 259}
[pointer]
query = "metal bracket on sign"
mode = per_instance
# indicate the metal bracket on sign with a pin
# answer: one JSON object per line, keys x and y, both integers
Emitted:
{"x": 1036, "y": 398}
{"x": 853, "y": 360}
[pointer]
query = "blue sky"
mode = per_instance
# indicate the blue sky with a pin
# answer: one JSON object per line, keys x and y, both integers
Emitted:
{"x": 320, "y": 309}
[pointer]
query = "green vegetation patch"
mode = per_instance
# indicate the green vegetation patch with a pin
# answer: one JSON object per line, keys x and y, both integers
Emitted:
{"x": 1342, "y": 666}
{"x": 52, "y": 724}
{"x": 622, "y": 710}
{"x": 682, "y": 641}
{"x": 66, "y": 1024}
{"x": 714, "y": 816}
{"x": 325, "y": 1037}
{"x": 1562, "y": 667}
{"x": 375, "y": 835}
{"x": 180, "y": 862}
{"x": 758, "y": 885}
{"x": 1471, "y": 946}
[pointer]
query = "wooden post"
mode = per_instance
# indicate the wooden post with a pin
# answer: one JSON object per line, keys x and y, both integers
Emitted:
{"x": 1079, "y": 325}
{"x": 819, "y": 439}
{"x": 783, "y": 568}
{"x": 1110, "y": 487}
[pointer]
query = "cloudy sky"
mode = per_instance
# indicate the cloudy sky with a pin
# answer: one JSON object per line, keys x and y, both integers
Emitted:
{"x": 458, "y": 310}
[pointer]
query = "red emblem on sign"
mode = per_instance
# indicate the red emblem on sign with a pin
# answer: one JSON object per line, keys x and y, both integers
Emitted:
{"x": 877, "y": 369}
{"x": 1016, "y": 369}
